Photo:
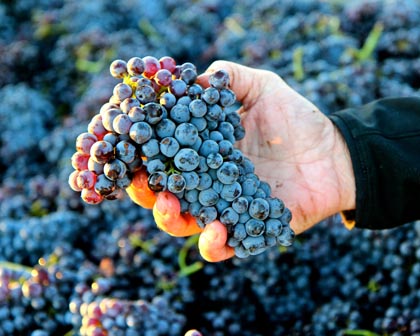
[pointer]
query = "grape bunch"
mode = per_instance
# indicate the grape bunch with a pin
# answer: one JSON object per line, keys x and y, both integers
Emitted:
{"x": 162, "y": 125}
{"x": 111, "y": 316}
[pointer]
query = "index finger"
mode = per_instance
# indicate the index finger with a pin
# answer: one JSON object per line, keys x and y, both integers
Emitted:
{"x": 168, "y": 216}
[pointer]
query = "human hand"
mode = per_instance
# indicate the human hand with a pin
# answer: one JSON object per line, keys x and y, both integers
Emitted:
{"x": 294, "y": 147}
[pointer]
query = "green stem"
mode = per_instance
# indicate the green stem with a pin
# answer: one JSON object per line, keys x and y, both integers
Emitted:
{"x": 298, "y": 72}
{"x": 371, "y": 42}
{"x": 15, "y": 267}
{"x": 359, "y": 332}
{"x": 184, "y": 269}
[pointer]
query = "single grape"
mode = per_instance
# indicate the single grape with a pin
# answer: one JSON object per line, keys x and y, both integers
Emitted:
{"x": 184, "y": 100}
{"x": 96, "y": 127}
{"x": 273, "y": 227}
{"x": 79, "y": 161}
{"x": 214, "y": 113}
{"x": 122, "y": 124}
{"x": 102, "y": 152}
{"x": 228, "y": 173}
{"x": 191, "y": 196}
{"x": 254, "y": 227}
{"x": 239, "y": 132}
{"x": 205, "y": 181}
{"x": 128, "y": 103}
{"x": 73, "y": 181}
{"x": 208, "y": 147}
{"x": 165, "y": 128}
{"x": 180, "y": 113}
{"x": 122, "y": 91}
{"x": 151, "y": 66}
{"x": 229, "y": 216}
{"x": 276, "y": 207}
{"x": 84, "y": 142}
{"x": 136, "y": 165}
{"x": 123, "y": 182}
{"x": 210, "y": 95}
{"x": 249, "y": 186}
{"x": 232, "y": 191}
{"x": 95, "y": 167}
{"x": 186, "y": 159}
{"x": 154, "y": 113}
{"x": 90, "y": 196}
{"x": 167, "y": 100}
{"x": 191, "y": 180}
{"x": 188, "y": 76}
{"x": 219, "y": 79}
{"x": 255, "y": 245}
{"x": 194, "y": 91}
{"x": 169, "y": 146}
{"x": 198, "y": 108}
{"x": 104, "y": 186}
{"x": 225, "y": 148}
{"x": 199, "y": 123}
{"x": 227, "y": 97}
{"x": 178, "y": 87}
{"x": 206, "y": 215}
{"x": 86, "y": 179}
{"x": 137, "y": 114}
{"x": 135, "y": 66}
{"x": 168, "y": 63}
{"x": 208, "y": 197}
{"x": 157, "y": 181}
{"x": 236, "y": 156}
{"x": 118, "y": 69}
{"x": 108, "y": 117}
{"x": 215, "y": 136}
{"x": 239, "y": 232}
{"x": 188, "y": 65}
{"x": 125, "y": 151}
{"x": 214, "y": 160}
{"x": 151, "y": 148}
{"x": 176, "y": 183}
{"x": 240, "y": 204}
{"x": 115, "y": 169}
{"x": 145, "y": 94}
{"x": 186, "y": 134}
{"x": 259, "y": 208}
{"x": 286, "y": 236}
{"x": 155, "y": 166}
{"x": 140, "y": 132}
{"x": 163, "y": 77}
{"x": 234, "y": 118}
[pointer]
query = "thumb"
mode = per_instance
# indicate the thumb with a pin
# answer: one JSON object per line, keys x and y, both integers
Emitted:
{"x": 244, "y": 81}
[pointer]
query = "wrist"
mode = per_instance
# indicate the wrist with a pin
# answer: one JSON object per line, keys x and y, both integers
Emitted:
{"x": 345, "y": 174}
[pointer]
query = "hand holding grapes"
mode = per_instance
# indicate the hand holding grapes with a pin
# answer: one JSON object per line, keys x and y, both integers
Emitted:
{"x": 294, "y": 147}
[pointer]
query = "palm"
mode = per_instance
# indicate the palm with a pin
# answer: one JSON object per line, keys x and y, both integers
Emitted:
{"x": 292, "y": 145}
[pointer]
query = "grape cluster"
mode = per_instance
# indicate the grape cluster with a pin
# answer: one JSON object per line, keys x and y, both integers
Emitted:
{"x": 112, "y": 316}
{"x": 159, "y": 120}
{"x": 32, "y": 300}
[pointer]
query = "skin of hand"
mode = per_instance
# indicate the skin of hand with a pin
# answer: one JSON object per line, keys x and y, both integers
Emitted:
{"x": 294, "y": 147}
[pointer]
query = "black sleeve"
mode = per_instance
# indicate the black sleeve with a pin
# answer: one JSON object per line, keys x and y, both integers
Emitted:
{"x": 383, "y": 138}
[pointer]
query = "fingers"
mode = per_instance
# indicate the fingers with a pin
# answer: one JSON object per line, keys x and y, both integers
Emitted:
{"x": 166, "y": 212}
{"x": 212, "y": 243}
{"x": 139, "y": 191}
{"x": 243, "y": 80}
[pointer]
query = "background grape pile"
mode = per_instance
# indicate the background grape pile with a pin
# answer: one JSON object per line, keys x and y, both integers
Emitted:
{"x": 70, "y": 268}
